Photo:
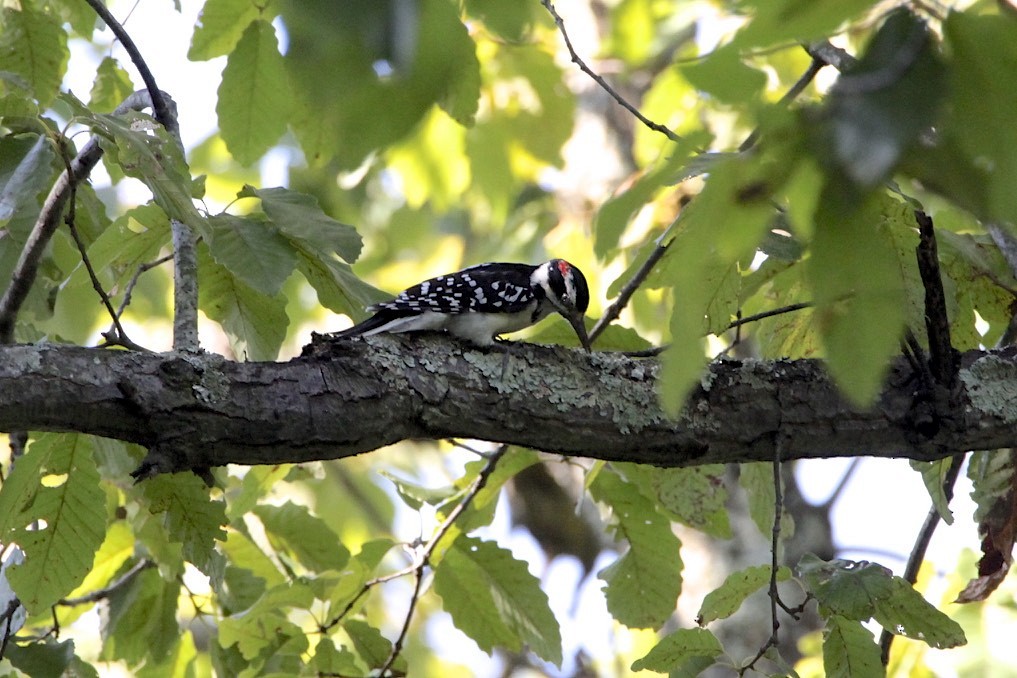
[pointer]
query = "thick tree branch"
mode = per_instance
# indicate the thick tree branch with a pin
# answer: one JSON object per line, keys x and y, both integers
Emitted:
{"x": 348, "y": 397}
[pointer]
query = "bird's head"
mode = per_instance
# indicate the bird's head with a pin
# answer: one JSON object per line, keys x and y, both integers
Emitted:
{"x": 565, "y": 287}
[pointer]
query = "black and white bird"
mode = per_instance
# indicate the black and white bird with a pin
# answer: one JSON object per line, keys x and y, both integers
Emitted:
{"x": 481, "y": 302}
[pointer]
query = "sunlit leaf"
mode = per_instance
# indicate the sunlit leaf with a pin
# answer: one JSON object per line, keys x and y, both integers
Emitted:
{"x": 850, "y": 650}
{"x": 722, "y": 74}
{"x": 34, "y": 45}
{"x": 307, "y": 537}
{"x": 681, "y": 650}
{"x": 220, "y": 26}
{"x": 494, "y": 600}
{"x": 191, "y": 517}
{"x": 933, "y": 475}
{"x": 254, "y": 97}
{"x": 725, "y": 600}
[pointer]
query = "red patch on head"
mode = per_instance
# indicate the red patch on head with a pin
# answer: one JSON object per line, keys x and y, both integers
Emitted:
{"x": 563, "y": 268}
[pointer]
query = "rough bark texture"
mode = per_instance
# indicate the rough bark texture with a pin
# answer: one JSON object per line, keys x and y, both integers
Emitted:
{"x": 349, "y": 397}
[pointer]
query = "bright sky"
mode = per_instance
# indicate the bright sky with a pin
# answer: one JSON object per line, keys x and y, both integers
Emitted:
{"x": 879, "y": 513}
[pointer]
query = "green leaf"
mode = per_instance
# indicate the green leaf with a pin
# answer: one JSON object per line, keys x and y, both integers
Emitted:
{"x": 293, "y": 528}
{"x": 696, "y": 496}
{"x": 779, "y": 21}
{"x": 299, "y": 217}
{"x": 264, "y": 626}
{"x": 677, "y": 651}
{"x": 48, "y": 658}
{"x": 757, "y": 481}
{"x": 338, "y": 287}
{"x": 256, "y": 323}
{"x": 905, "y": 612}
{"x": 141, "y": 622}
{"x": 191, "y": 517}
{"x": 53, "y": 507}
{"x": 724, "y": 75}
{"x": 982, "y": 99}
{"x": 220, "y": 27}
{"x": 933, "y": 475}
{"x": 373, "y": 647}
{"x": 358, "y": 570}
{"x": 644, "y": 583}
{"x": 495, "y": 600}
{"x": 33, "y": 45}
{"x": 880, "y": 106}
{"x": 849, "y": 650}
{"x": 252, "y": 250}
{"x": 725, "y": 600}
{"x": 855, "y": 276}
{"x": 254, "y": 98}
{"x": 111, "y": 87}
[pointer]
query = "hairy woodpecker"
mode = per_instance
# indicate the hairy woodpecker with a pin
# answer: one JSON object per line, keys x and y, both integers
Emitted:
{"x": 480, "y": 302}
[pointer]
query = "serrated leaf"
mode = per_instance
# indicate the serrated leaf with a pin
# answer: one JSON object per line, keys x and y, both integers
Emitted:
{"x": 299, "y": 217}
{"x": 850, "y": 650}
{"x": 643, "y": 584}
{"x": 252, "y": 250}
{"x": 264, "y": 625}
{"x": 111, "y": 86}
{"x": 372, "y": 646}
{"x": 293, "y": 528}
{"x": 678, "y": 649}
{"x": 725, "y": 600}
{"x": 255, "y": 323}
{"x": 33, "y": 45}
{"x": 495, "y": 600}
{"x": 933, "y": 475}
{"x": 696, "y": 496}
{"x": 191, "y": 517}
{"x": 55, "y": 483}
{"x": 220, "y": 26}
{"x": 141, "y": 622}
{"x": 245, "y": 554}
{"x": 254, "y": 98}
{"x": 905, "y": 612}
{"x": 994, "y": 476}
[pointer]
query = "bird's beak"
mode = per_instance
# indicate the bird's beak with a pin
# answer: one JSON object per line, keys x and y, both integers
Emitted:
{"x": 580, "y": 327}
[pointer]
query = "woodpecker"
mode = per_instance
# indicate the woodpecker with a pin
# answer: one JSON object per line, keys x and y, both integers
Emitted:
{"x": 480, "y": 302}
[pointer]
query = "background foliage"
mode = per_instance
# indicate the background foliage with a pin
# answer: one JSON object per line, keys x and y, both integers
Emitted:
{"x": 415, "y": 137}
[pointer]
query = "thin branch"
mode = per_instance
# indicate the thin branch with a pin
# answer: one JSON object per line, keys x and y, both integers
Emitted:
{"x": 614, "y": 310}
{"x": 185, "y": 288}
{"x": 422, "y": 559}
{"x": 103, "y": 593}
{"x": 164, "y": 111}
{"x": 937, "y": 323}
{"x": 921, "y": 546}
{"x": 577, "y": 60}
{"x": 129, "y": 291}
{"x": 826, "y": 52}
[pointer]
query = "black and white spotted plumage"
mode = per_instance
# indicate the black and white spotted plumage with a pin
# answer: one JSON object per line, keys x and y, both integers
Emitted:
{"x": 481, "y": 302}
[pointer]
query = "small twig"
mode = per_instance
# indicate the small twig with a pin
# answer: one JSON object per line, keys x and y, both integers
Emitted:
{"x": 164, "y": 113}
{"x": 774, "y": 595}
{"x": 129, "y": 289}
{"x": 422, "y": 559}
{"x": 614, "y": 310}
{"x": 577, "y": 60}
{"x": 826, "y": 52}
{"x": 937, "y": 322}
{"x": 807, "y": 77}
{"x": 922, "y": 542}
{"x": 790, "y": 308}
{"x": 103, "y": 593}
{"x": 7, "y": 619}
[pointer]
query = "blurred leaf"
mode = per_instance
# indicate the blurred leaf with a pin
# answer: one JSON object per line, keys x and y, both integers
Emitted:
{"x": 511, "y": 21}
{"x": 141, "y": 621}
{"x": 850, "y": 650}
{"x": 254, "y": 98}
{"x": 432, "y": 163}
{"x": 982, "y": 99}
{"x": 643, "y": 584}
{"x": 253, "y": 250}
{"x": 757, "y": 481}
{"x": 51, "y": 505}
{"x": 725, "y": 600}
{"x": 723, "y": 75}
{"x": 680, "y": 652}
{"x": 49, "y": 658}
{"x": 220, "y": 27}
{"x": 25, "y": 169}
{"x": 494, "y": 600}
{"x": 265, "y": 627}
{"x": 855, "y": 276}
{"x": 33, "y": 45}
{"x": 880, "y": 106}
{"x": 778, "y": 21}
{"x": 373, "y": 647}
{"x": 256, "y": 323}
{"x": 292, "y": 528}
{"x": 696, "y": 496}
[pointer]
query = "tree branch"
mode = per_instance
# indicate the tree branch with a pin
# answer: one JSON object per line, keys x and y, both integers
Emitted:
{"x": 349, "y": 397}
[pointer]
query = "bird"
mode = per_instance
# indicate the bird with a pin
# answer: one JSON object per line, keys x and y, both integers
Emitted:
{"x": 483, "y": 301}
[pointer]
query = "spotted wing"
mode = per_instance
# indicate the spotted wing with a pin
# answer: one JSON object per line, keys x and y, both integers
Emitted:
{"x": 486, "y": 288}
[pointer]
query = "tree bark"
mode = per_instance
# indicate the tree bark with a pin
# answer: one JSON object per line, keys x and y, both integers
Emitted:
{"x": 343, "y": 398}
